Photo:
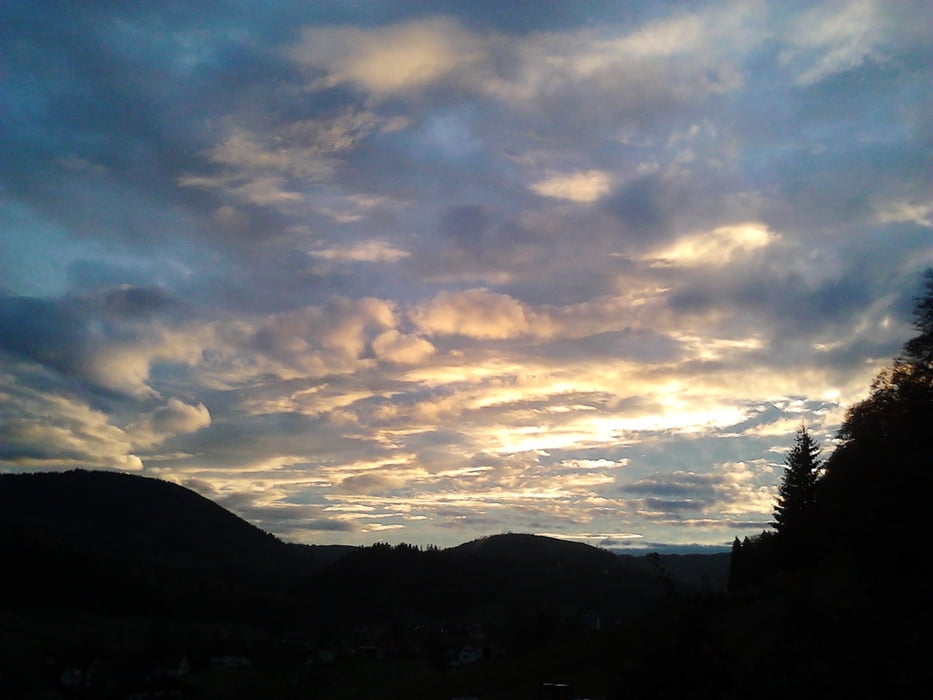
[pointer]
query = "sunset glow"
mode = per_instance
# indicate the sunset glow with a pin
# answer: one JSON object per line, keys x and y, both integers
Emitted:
{"x": 578, "y": 269}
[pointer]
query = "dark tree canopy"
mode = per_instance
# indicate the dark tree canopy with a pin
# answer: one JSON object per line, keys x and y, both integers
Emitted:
{"x": 871, "y": 494}
{"x": 919, "y": 350}
{"x": 877, "y": 482}
{"x": 845, "y": 567}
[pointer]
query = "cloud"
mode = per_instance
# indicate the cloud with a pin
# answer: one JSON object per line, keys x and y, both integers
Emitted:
{"x": 272, "y": 509}
{"x": 64, "y": 336}
{"x": 41, "y": 331}
{"x": 274, "y": 168}
{"x": 670, "y": 61}
{"x": 40, "y": 430}
{"x": 128, "y": 301}
{"x": 731, "y": 487}
{"x": 903, "y": 211}
{"x": 477, "y": 313}
{"x": 650, "y": 209}
{"x": 316, "y": 339}
{"x": 368, "y": 483}
{"x": 403, "y": 349}
{"x": 367, "y": 251}
{"x": 716, "y": 247}
{"x": 833, "y": 38}
{"x": 585, "y": 186}
{"x": 398, "y": 58}
{"x": 173, "y": 418}
{"x": 475, "y": 243}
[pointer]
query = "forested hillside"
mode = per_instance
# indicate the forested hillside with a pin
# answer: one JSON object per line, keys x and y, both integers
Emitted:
{"x": 845, "y": 558}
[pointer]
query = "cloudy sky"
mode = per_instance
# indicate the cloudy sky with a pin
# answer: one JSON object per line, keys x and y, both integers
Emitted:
{"x": 426, "y": 271}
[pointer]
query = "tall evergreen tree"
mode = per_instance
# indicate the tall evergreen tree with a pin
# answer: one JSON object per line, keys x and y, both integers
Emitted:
{"x": 794, "y": 509}
{"x": 736, "y": 567}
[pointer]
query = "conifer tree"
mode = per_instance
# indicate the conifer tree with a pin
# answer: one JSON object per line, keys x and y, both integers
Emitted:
{"x": 736, "y": 567}
{"x": 793, "y": 511}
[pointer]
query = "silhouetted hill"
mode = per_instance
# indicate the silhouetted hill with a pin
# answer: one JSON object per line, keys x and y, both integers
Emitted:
{"x": 106, "y": 542}
{"x": 527, "y": 586}
{"x": 142, "y": 519}
{"x": 531, "y": 549}
{"x": 548, "y": 571}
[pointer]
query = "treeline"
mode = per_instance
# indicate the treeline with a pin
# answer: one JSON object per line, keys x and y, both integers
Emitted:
{"x": 861, "y": 512}
{"x": 485, "y": 580}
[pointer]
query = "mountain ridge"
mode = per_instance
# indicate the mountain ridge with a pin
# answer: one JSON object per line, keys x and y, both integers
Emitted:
{"x": 139, "y": 517}
{"x": 51, "y": 502}
{"x": 160, "y": 546}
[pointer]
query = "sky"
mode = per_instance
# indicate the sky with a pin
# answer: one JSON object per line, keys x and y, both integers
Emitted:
{"x": 428, "y": 271}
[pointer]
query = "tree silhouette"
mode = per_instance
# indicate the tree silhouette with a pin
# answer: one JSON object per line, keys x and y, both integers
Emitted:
{"x": 793, "y": 511}
{"x": 736, "y": 567}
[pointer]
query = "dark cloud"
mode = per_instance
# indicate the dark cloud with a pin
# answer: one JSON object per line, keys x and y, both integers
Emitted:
{"x": 830, "y": 189}
{"x": 134, "y": 302}
{"x": 791, "y": 307}
{"x": 672, "y": 506}
{"x": 694, "y": 488}
{"x": 325, "y": 525}
{"x": 101, "y": 341}
{"x": 653, "y": 210}
{"x": 242, "y": 440}
{"x": 640, "y": 345}
{"x": 646, "y": 208}
{"x": 367, "y": 483}
{"x": 14, "y": 448}
{"x": 283, "y": 517}
{"x": 475, "y": 242}
{"x": 43, "y": 331}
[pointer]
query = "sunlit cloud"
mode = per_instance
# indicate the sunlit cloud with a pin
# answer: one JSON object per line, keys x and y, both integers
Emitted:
{"x": 48, "y": 431}
{"x": 477, "y": 313}
{"x": 173, "y": 418}
{"x": 406, "y": 56}
{"x": 716, "y": 247}
{"x": 920, "y": 213}
{"x": 398, "y": 347}
{"x": 578, "y": 187}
